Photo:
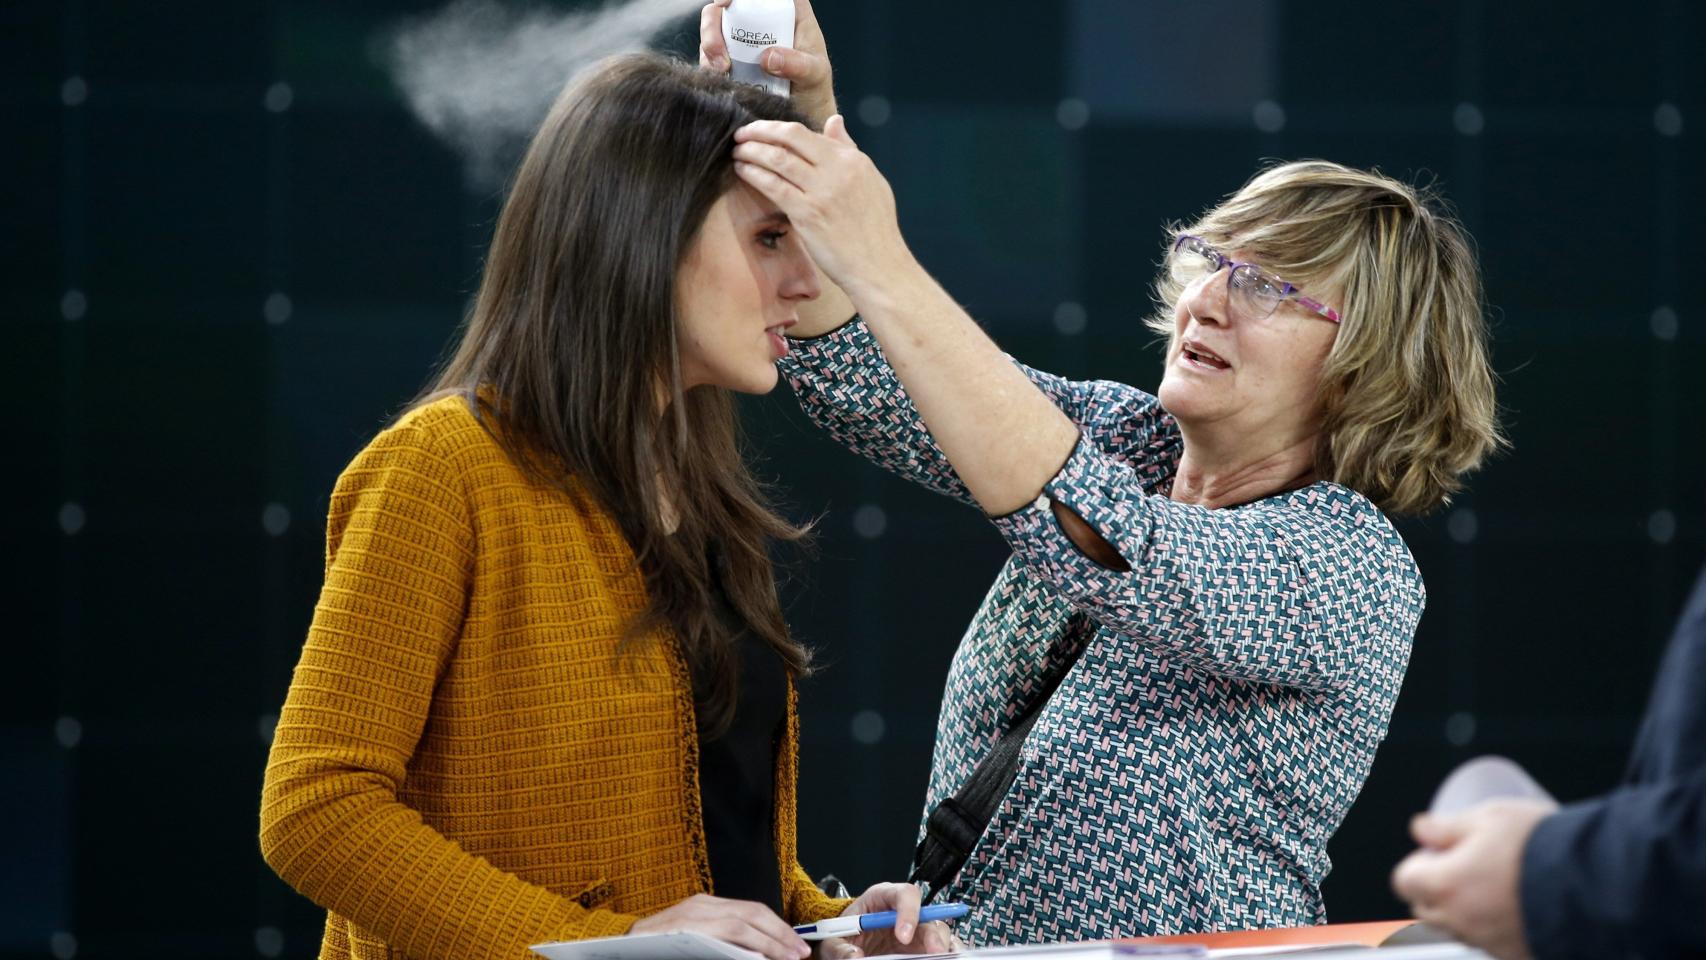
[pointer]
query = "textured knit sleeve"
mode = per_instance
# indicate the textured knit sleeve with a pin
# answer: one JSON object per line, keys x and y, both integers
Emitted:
{"x": 846, "y": 386}
{"x": 1306, "y": 590}
{"x": 399, "y": 567}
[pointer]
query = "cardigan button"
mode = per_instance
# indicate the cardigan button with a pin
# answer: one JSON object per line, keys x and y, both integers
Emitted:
{"x": 594, "y": 895}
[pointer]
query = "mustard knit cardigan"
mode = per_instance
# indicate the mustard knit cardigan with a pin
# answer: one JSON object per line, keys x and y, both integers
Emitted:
{"x": 464, "y": 766}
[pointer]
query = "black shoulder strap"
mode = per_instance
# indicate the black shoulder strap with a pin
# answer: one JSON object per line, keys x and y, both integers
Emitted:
{"x": 954, "y": 827}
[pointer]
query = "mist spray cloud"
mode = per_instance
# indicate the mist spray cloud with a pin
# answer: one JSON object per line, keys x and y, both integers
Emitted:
{"x": 482, "y": 75}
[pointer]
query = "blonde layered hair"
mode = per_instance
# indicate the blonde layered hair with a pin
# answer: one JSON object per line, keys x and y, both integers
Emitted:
{"x": 1407, "y": 391}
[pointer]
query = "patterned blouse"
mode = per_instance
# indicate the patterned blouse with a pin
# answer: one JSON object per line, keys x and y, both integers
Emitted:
{"x": 1229, "y": 693}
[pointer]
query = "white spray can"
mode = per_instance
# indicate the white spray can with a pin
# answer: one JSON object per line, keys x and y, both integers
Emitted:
{"x": 751, "y": 27}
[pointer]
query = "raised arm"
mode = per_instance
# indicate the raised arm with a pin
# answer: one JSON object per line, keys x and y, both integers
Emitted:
{"x": 847, "y": 387}
{"x": 1003, "y": 437}
{"x": 1315, "y": 591}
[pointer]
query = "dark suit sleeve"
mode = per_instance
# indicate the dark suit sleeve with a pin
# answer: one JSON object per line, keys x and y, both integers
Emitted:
{"x": 1620, "y": 876}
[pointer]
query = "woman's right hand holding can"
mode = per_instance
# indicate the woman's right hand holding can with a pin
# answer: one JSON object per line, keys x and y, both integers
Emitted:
{"x": 806, "y": 65}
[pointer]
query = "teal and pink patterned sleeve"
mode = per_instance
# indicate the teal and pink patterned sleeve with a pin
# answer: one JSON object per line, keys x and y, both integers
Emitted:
{"x": 846, "y": 386}
{"x": 1307, "y": 589}
{"x": 1312, "y": 588}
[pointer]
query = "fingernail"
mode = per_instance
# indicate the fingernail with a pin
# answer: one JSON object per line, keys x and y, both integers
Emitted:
{"x": 904, "y": 932}
{"x": 773, "y": 61}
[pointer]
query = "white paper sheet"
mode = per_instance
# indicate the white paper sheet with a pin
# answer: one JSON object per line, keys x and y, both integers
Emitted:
{"x": 1483, "y": 779}
{"x": 680, "y": 945}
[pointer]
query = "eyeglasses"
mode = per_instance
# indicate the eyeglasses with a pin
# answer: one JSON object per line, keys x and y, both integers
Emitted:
{"x": 1258, "y": 294}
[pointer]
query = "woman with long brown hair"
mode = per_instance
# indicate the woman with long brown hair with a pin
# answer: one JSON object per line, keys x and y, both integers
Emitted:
{"x": 547, "y": 693}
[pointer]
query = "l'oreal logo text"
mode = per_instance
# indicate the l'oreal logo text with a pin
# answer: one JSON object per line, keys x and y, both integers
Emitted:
{"x": 755, "y": 37}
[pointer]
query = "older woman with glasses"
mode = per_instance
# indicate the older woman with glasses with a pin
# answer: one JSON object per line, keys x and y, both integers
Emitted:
{"x": 1209, "y": 574}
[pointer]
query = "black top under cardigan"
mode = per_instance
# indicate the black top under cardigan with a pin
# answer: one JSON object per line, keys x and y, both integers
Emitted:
{"x": 737, "y": 770}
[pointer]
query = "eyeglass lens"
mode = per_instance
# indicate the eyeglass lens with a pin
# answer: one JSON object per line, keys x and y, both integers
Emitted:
{"x": 1256, "y": 294}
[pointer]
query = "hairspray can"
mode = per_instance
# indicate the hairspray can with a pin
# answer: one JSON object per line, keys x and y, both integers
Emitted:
{"x": 751, "y": 27}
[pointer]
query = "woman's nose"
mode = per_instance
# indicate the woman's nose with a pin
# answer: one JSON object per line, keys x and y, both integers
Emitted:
{"x": 1206, "y": 298}
{"x": 800, "y": 282}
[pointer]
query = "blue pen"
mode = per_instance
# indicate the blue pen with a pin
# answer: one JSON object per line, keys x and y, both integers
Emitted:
{"x": 860, "y": 922}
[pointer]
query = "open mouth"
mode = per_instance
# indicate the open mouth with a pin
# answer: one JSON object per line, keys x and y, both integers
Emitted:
{"x": 1194, "y": 353}
{"x": 778, "y": 342}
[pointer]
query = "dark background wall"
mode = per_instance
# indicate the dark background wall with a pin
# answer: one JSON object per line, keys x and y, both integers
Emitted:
{"x": 230, "y": 253}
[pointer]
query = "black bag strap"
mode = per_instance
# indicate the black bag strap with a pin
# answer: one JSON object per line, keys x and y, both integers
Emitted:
{"x": 954, "y": 827}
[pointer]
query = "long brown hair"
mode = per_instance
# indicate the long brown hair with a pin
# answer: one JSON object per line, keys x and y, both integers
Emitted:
{"x": 574, "y": 333}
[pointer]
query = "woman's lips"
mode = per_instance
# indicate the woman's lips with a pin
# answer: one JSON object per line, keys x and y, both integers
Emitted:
{"x": 1201, "y": 358}
{"x": 779, "y": 342}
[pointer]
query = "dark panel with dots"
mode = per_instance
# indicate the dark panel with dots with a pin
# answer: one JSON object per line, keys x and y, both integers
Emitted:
{"x": 233, "y": 254}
